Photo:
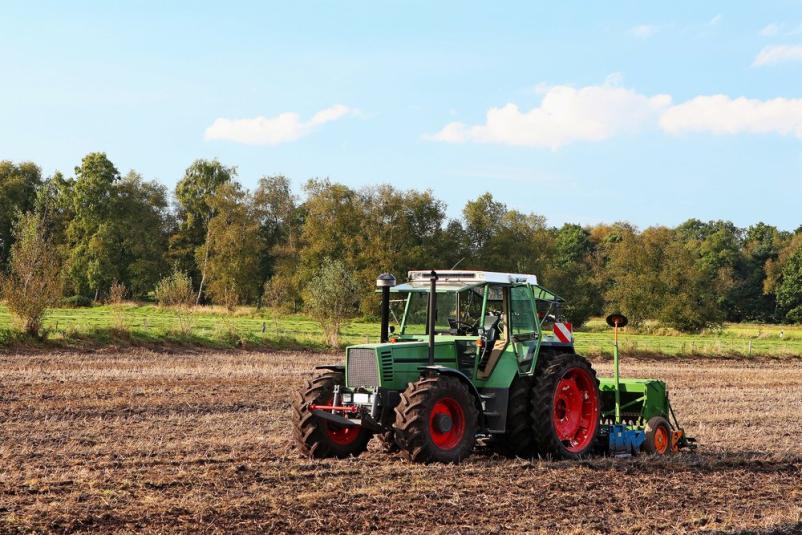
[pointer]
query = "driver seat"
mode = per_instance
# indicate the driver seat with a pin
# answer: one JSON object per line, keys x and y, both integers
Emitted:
{"x": 495, "y": 342}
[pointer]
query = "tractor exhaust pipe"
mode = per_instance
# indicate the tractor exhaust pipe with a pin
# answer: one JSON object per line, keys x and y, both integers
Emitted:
{"x": 432, "y": 314}
{"x": 385, "y": 281}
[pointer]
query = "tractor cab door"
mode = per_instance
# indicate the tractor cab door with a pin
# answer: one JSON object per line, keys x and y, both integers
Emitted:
{"x": 524, "y": 327}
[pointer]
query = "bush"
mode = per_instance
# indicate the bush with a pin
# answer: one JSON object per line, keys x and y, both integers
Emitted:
{"x": 33, "y": 283}
{"x": 278, "y": 293}
{"x": 116, "y": 299}
{"x": 175, "y": 290}
{"x": 331, "y": 298}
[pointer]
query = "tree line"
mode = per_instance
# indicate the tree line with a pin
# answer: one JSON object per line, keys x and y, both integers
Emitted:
{"x": 265, "y": 246}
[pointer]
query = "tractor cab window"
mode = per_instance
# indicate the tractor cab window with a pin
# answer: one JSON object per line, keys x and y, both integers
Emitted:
{"x": 522, "y": 312}
{"x": 495, "y": 308}
{"x": 416, "y": 312}
{"x": 418, "y": 309}
{"x": 458, "y": 313}
{"x": 469, "y": 317}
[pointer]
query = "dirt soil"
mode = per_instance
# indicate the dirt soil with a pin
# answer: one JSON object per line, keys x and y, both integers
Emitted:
{"x": 200, "y": 442}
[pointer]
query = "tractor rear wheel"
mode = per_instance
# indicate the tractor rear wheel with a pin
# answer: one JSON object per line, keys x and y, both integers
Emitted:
{"x": 658, "y": 436}
{"x": 565, "y": 407}
{"x": 518, "y": 440}
{"x": 436, "y": 420}
{"x": 320, "y": 438}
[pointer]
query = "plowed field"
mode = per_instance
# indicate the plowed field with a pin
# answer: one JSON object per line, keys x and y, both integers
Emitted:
{"x": 200, "y": 442}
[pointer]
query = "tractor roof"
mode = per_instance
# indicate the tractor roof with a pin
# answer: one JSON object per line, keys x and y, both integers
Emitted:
{"x": 468, "y": 276}
{"x": 452, "y": 280}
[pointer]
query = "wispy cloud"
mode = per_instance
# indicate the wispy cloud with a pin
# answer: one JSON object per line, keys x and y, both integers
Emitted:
{"x": 769, "y": 30}
{"x": 778, "y": 54}
{"x": 775, "y": 29}
{"x": 282, "y": 128}
{"x": 715, "y": 20}
{"x": 644, "y": 31}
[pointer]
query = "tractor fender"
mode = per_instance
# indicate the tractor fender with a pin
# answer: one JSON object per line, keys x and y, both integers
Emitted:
{"x": 332, "y": 367}
{"x": 453, "y": 372}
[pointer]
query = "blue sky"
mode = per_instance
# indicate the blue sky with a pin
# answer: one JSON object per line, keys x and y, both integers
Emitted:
{"x": 581, "y": 113}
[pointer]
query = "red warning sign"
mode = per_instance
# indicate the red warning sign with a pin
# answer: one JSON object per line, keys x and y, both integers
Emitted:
{"x": 563, "y": 332}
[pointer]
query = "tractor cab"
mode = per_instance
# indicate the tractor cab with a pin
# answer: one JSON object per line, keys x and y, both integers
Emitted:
{"x": 488, "y": 317}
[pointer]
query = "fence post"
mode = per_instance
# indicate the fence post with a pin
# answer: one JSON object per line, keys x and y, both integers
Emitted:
{"x": 750, "y": 348}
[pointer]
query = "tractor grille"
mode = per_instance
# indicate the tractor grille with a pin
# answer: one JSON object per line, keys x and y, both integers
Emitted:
{"x": 362, "y": 370}
{"x": 387, "y": 366}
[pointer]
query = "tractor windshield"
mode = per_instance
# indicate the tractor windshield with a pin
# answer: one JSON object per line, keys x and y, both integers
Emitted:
{"x": 458, "y": 312}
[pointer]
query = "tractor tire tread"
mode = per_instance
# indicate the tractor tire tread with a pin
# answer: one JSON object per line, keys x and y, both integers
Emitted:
{"x": 518, "y": 439}
{"x": 411, "y": 424}
{"x": 544, "y": 384}
{"x": 308, "y": 430}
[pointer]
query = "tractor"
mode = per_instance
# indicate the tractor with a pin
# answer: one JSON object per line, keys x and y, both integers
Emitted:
{"x": 478, "y": 357}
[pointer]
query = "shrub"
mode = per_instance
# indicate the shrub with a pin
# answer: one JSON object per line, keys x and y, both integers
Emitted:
{"x": 331, "y": 298}
{"x": 278, "y": 294}
{"x": 33, "y": 283}
{"x": 175, "y": 290}
{"x": 116, "y": 299}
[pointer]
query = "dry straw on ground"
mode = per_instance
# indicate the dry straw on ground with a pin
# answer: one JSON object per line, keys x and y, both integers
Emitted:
{"x": 151, "y": 442}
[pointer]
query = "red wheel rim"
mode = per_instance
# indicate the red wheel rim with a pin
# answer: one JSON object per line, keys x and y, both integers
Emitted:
{"x": 660, "y": 440}
{"x": 342, "y": 435}
{"x": 575, "y": 413}
{"x": 447, "y": 423}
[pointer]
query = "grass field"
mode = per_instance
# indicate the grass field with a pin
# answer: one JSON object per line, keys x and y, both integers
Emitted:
{"x": 149, "y": 325}
{"x": 155, "y": 442}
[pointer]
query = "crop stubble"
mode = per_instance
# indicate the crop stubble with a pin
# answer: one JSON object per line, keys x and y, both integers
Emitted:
{"x": 154, "y": 442}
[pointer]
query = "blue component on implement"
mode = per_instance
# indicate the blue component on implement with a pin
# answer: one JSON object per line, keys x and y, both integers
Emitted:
{"x": 623, "y": 441}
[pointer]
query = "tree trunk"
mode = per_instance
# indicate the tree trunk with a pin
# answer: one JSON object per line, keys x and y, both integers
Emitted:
{"x": 205, "y": 261}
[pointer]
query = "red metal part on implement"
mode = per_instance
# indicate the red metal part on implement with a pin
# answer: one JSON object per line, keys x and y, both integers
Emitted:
{"x": 676, "y": 437}
{"x": 344, "y": 408}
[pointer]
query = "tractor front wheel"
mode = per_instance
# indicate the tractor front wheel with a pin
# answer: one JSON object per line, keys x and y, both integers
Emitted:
{"x": 436, "y": 420}
{"x": 565, "y": 407}
{"x": 321, "y": 438}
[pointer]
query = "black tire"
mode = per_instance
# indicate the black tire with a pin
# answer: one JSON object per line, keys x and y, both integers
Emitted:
{"x": 317, "y": 437}
{"x": 546, "y": 407}
{"x": 424, "y": 432}
{"x": 387, "y": 438}
{"x": 518, "y": 440}
{"x": 658, "y": 436}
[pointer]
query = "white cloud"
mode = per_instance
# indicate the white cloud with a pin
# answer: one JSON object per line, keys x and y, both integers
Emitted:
{"x": 715, "y": 20}
{"x": 721, "y": 114}
{"x": 282, "y": 128}
{"x": 565, "y": 115}
{"x": 643, "y": 31}
{"x": 778, "y": 53}
{"x": 595, "y": 113}
{"x": 770, "y": 30}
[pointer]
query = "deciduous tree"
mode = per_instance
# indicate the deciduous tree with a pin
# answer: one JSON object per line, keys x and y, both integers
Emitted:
{"x": 33, "y": 282}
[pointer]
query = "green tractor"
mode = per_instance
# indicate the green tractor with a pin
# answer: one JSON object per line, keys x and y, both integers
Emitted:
{"x": 478, "y": 356}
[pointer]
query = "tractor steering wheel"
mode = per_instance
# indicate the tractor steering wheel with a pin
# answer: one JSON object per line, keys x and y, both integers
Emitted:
{"x": 462, "y": 327}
